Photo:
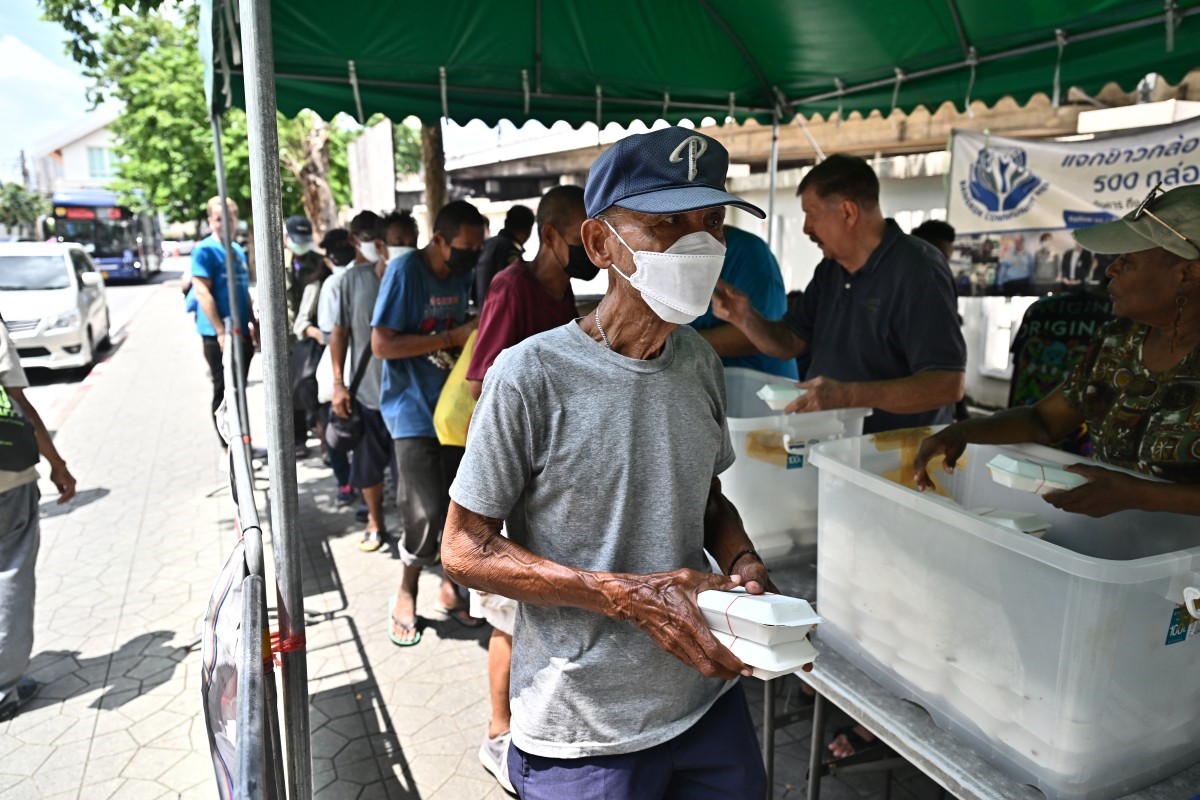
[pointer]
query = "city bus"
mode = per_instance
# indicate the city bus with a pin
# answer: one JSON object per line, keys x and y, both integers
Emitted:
{"x": 122, "y": 243}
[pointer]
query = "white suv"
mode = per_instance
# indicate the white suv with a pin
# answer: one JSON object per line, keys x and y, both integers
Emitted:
{"x": 53, "y": 302}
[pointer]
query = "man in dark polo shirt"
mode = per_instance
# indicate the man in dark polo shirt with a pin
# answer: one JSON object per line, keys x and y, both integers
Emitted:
{"x": 879, "y": 316}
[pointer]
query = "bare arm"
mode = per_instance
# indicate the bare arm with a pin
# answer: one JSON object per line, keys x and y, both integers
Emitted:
{"x": 475, "y": 388}
{"x": 1044, "y": 423}
{"x": 911, "y": 395}
{"x": 772, "y": 338}
{"x": 388, "y": 343}
{"x": 728, "y": 341}
{"x": 339, "y": 344}
{"x": 726, "y": 541}
{"x": 662, "y": 605}
{"x": 208, "y": 304}
{"x": 59, "y": 474}
{"x": 1107, "y": 491}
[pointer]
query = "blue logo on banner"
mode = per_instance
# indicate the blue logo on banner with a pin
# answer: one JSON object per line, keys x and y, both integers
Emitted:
{"x": 1000, "y": 179}
{"x": 1086, "y": 219}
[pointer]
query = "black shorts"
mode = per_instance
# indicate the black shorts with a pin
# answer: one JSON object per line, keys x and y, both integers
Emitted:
{"x": 374, "y": 453}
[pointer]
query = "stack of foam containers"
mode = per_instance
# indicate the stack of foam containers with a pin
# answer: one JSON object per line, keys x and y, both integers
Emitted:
{"x": 768, "y": 632}
{"x": 1064, "y": 660}
{"x": 775, "y": 488}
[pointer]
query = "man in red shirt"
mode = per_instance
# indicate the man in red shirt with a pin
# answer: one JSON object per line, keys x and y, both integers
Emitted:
{"x": 525, "y": 298}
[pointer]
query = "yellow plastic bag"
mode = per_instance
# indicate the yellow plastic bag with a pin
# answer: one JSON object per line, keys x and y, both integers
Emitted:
{"x": 455, "y": 405}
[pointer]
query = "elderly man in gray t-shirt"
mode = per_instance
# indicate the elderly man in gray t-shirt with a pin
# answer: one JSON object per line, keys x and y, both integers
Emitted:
{"x": 599, "y": 444}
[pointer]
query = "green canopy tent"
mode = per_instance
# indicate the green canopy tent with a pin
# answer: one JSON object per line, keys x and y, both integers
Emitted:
{"x": 620, "y": 61}
{"x": 626, "y": 60}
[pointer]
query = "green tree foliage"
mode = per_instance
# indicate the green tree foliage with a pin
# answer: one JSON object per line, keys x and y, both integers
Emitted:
{"x": 164, "y": 149}
{"x": 20, "y": 207}
{"x": 407, "y": 142}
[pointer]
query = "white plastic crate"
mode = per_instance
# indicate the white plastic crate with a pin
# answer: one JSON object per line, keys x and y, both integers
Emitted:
{"x": 1060, "y": 659}
{"x": 773, "y": 487}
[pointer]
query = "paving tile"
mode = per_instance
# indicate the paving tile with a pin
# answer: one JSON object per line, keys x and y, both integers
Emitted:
{"x": 25, "y": 760}
{"x": 139, "y": 790}
{"x": 192, "y": 775}
{"x": 458, "y": 787}
{"x": 23, "y": 789}
{"x": 63, "y": 770}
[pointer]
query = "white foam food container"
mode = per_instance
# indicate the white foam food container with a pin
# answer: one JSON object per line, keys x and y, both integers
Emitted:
{"x": 771, "y": 482}
{"x": 777, "y": 396}
{"x": 767, "y": 619}
{"x": 1019, "y": 521}
{"x": 1026, "y": 475}
{"x": 769, "y": 661}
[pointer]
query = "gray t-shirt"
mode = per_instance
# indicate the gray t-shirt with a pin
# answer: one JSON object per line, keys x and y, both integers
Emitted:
{"x": 599, "y": 462}
{"x": 355, "y": 297}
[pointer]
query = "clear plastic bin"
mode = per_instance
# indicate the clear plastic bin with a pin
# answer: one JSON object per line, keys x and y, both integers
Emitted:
{"x": 771, "y": 483}
{"x": 1063, "y": 660}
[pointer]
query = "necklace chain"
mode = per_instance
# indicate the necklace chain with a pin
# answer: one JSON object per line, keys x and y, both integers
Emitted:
{"x": 600, "y": 328}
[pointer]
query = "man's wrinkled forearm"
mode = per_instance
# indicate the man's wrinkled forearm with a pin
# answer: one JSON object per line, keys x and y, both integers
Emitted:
{"x": 475, "y": 555}
{"x": 724, "y": 533}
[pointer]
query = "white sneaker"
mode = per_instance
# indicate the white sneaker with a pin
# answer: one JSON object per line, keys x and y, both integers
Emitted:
{"x": 493, "y": 754}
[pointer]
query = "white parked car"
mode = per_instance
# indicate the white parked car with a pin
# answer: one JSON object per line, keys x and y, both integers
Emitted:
{"x": 53, "y": 302}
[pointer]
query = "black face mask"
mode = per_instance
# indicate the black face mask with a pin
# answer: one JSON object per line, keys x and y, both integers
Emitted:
{"x": 578, "y": 265}
{"x": 461, "y": 262}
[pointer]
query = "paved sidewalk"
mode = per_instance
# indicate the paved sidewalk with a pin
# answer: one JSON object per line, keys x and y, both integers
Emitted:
{"x": 124, "y": 575}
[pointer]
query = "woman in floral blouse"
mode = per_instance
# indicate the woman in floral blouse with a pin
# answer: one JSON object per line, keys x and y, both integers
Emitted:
{"x": 1138, "y": 387}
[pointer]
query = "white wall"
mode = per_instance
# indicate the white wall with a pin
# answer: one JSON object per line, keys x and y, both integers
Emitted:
{"x": 76, "y": 169}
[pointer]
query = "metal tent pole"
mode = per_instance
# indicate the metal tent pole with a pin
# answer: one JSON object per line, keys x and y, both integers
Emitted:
{"x": 285, "y": 532}
{"x": 772, "y": 173}
{"x": 235, "y": 312}
{"x": 252, "y": 780}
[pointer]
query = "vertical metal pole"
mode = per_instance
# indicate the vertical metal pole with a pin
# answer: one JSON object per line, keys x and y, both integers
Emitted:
{"x": 772, "y": 173}
{"x": 252, "y": 781}
{"x": 235, "y": 311}
{"x": 816, "y": 752}
{"x": 285, "y": 532}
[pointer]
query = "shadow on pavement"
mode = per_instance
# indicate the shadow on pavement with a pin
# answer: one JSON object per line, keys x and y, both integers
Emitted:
{"x": 353, "y": 738}
{"x": 139, "y": 666}
{"x": 51, "y": 508}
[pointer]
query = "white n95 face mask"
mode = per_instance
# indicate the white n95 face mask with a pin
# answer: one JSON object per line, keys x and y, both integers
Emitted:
{"x": 395, "y": 251}
{"x": 677, "y": 283}
{"x": 299, "y": 248}
{"x": 369, "y": 251}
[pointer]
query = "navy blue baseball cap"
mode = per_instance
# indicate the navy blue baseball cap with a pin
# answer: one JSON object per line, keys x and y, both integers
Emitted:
{"x": 667, "y": 171}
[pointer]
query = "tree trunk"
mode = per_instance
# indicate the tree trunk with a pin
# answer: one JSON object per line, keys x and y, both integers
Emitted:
{"x": 310, "y": 165}
{"x": 433, "y": 159}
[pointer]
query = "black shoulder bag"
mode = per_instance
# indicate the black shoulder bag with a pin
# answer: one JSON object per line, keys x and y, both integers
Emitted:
{"x": 18, "y": 441}
{"x": 344, "y": 433}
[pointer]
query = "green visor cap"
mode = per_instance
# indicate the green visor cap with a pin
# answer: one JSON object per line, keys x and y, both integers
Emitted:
{"x": 1176, "y": 229}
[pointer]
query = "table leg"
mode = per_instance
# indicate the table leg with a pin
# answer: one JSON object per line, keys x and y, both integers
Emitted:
{"x": 816, "y": 752}
{"x": 769, "y": 736}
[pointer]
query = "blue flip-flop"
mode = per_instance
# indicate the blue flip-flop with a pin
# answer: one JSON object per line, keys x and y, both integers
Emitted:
{"x": 406, "y": 628}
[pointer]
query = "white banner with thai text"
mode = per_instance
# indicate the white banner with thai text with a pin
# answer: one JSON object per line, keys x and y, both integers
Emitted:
{"x": 1000, "y": 184}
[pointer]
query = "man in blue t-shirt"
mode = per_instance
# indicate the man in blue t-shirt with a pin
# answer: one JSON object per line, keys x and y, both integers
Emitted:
{"x": 211, "y": 288}
{"x": 418, "y": 326}
{"x": 750, "y": 267}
